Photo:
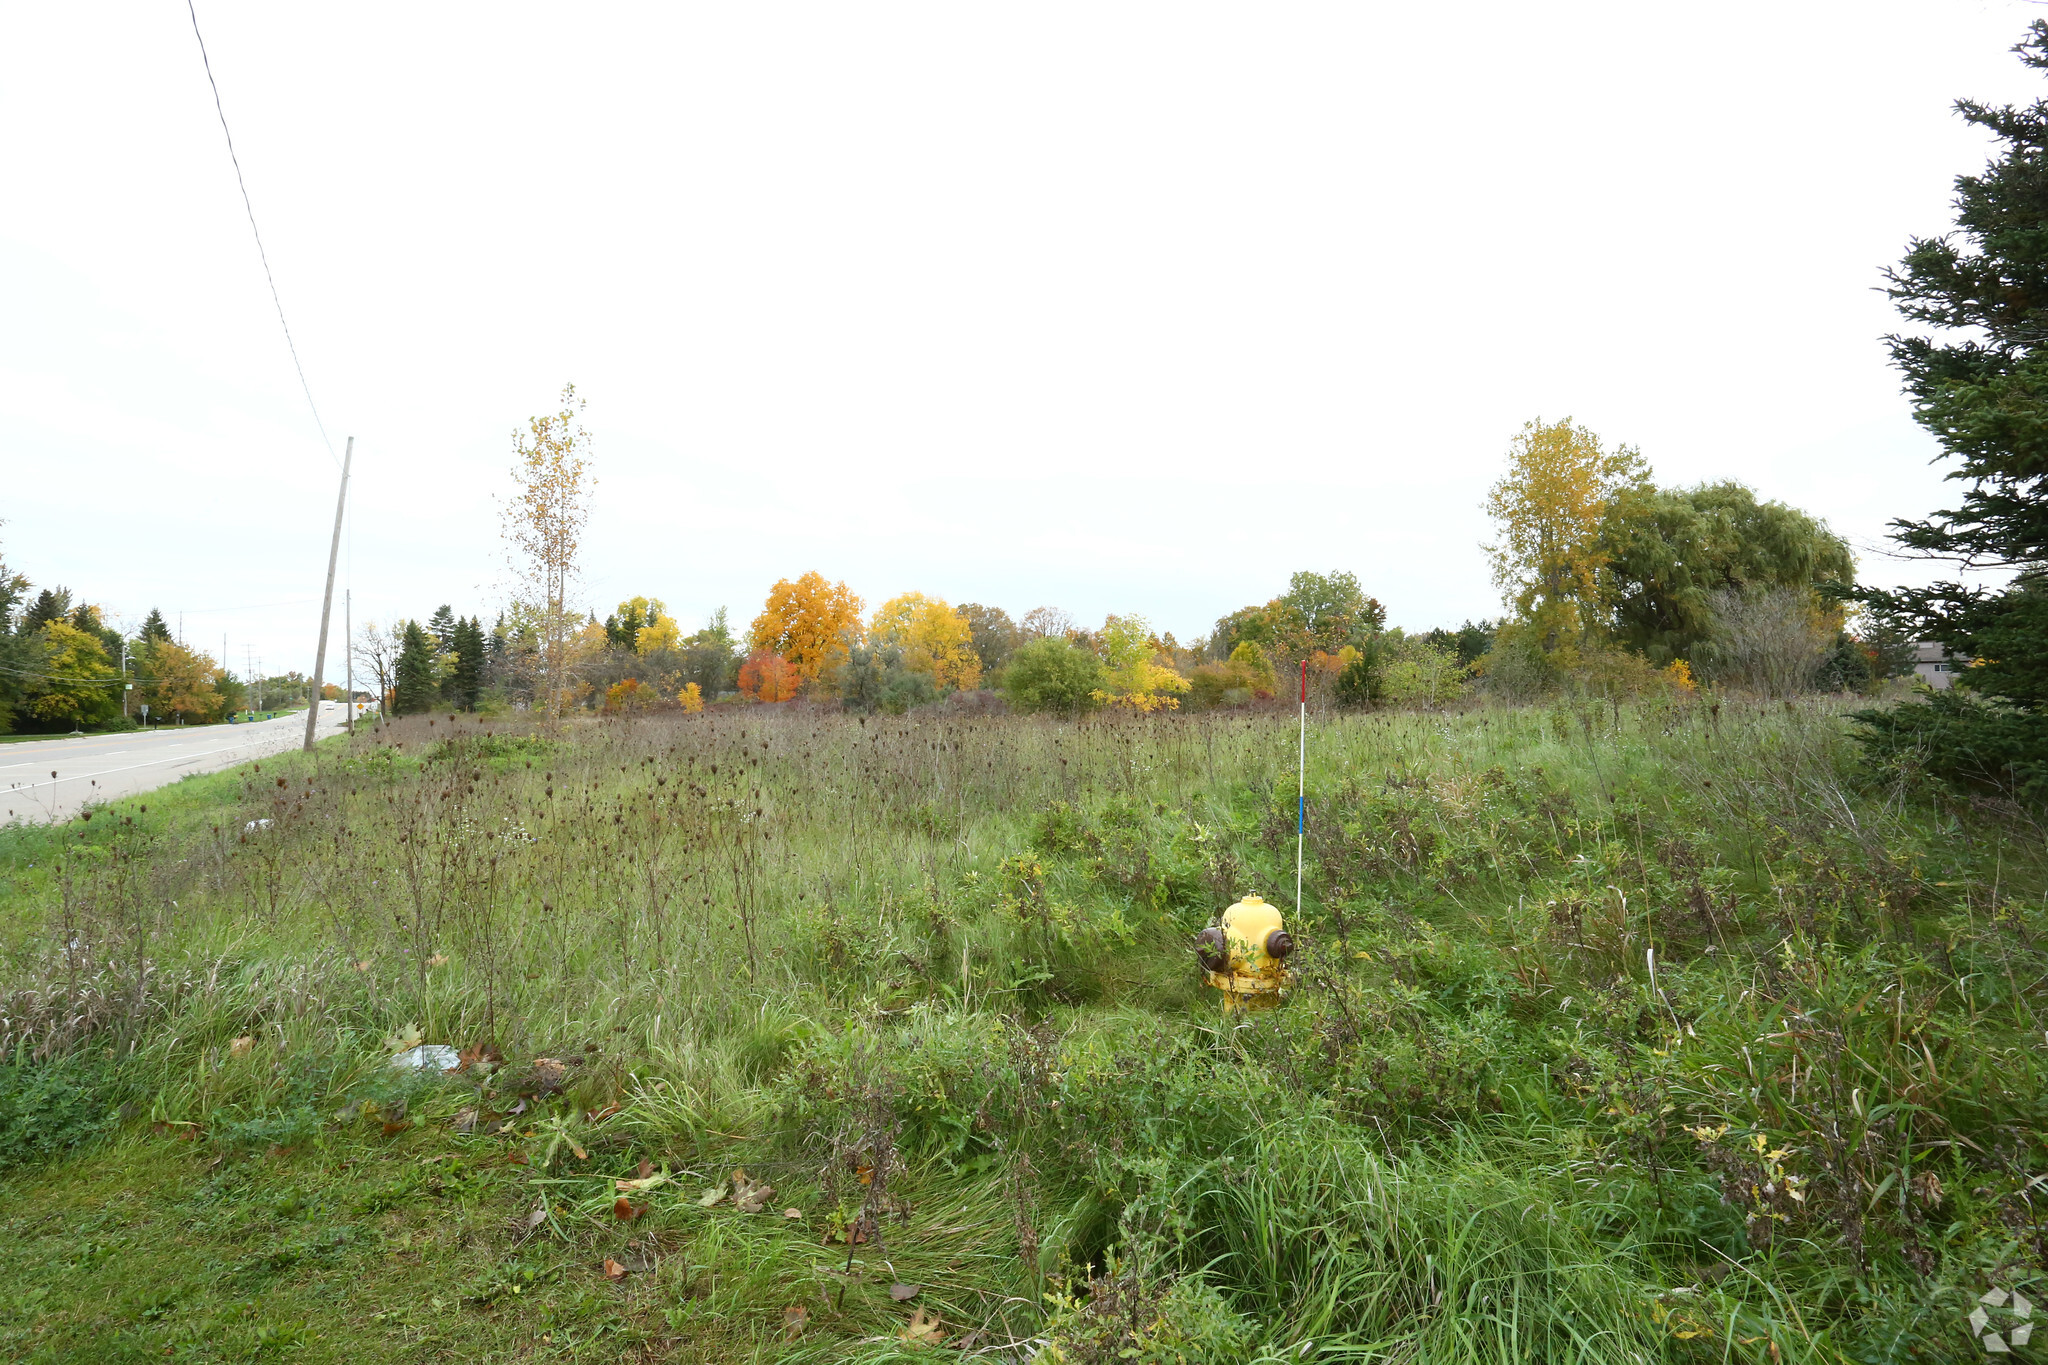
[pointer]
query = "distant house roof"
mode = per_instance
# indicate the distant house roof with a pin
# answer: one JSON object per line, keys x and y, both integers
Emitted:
{"x": 1928, "y": 652}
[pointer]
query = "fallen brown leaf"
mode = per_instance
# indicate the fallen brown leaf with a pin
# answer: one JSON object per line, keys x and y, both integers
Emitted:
{"x": 241, "y": 1046}
{"x": 625, "y": 1210}
{"x": 750, "y": 1195}
{"x": 794, "y": 1319}
{"x": 902, "y": 1292}
{"x": 613, "y": 1271}
{"x": 466, "y": 1121}
{"x": 600, "y": 1115}
{"x": 853, "y": 1234}
{"x": 794, "y": 1215}
{"x": 478, "y": 1056}
{"x": 393, "y": 1129}
{"x": 438, "y": 960}
{"x": 646, "y": 1168}
{"x": 923, "y": 1329}
{"x": 536, "y": 1216}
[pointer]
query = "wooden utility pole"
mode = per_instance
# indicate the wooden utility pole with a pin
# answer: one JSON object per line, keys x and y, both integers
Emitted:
{"x": 327, "y": 601}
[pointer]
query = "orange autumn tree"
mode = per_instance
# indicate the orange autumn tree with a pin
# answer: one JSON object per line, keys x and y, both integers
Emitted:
{"x": 767, "y": 676}
{"x": 623, "y": 695}
{"x": 809, "y": 624}
{"x": 182, "y": 683}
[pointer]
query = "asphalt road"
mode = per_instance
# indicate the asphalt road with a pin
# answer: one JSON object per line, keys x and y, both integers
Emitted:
{"x": 53, "y": 779}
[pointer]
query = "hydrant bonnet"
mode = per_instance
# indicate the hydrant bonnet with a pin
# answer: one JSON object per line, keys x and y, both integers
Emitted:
{"x": 1241, "y": 954}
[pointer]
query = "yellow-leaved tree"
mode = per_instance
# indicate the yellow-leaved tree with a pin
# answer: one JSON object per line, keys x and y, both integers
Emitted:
{"x": 1133, "y": 675}
{"x": 1547, "y": 510}
{"x": 75, "y": 683}
{"x": 582, "y": 653}
{"x": 935, "y": 639}
{"x": 664, "y": 634}
{"x": 542, "y": 525}
{"x": 810, "y": 623}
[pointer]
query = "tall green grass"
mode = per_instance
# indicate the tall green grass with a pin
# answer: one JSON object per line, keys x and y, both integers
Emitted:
{"x": 1656, "y": 1031}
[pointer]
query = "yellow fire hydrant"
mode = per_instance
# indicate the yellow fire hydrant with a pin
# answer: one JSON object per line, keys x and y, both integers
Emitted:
{"x": 1242, "y": 953}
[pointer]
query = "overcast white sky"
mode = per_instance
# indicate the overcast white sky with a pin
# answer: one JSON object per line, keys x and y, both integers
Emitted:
{"x": 1114, "y": 307}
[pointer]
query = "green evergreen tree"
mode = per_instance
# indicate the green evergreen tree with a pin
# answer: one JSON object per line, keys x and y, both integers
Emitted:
{"x": 441, "y": 625}
{"x": 13, "y": 591}
{"x": 17, "y": 654}
{"x": 416, "y": 684}
{"x": 154, "y": 628}
{"x": 86, "y": 618}
{"x": 622, "y": 628}
{"x": 1978, "y": 379}
{"x": 465, "y": 679}
{"x": 1468, "y": 641}
{"x": 51, "y": 604}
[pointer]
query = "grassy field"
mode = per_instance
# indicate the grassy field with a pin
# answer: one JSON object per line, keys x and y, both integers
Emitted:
{"x": 1654, "y": 1032}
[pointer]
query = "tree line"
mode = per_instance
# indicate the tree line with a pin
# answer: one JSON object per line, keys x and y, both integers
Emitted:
{"x": 63, "y": 668}
{"x": 1610, "y": 583}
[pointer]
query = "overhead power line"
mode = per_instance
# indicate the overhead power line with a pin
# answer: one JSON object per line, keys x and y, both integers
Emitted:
{"x": 246, "y": 606}
{"x": 262, "y": 255}
{"x": 66, "y": 677}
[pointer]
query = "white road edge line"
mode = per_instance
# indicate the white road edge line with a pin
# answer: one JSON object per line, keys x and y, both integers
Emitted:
{"x": 108, "y": 772}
